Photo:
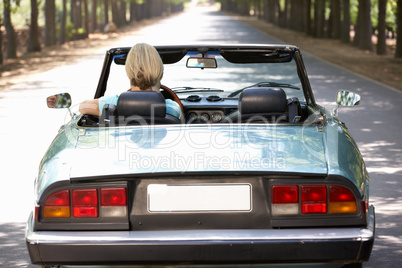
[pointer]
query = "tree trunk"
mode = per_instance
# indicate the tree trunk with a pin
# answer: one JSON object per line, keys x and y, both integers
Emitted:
{"x": 398, "y": 51}
{"x": 33, "y": 41}
{"x": 106, "y": 10}
{"x": 122, "y": 12}
{"x": 115, "y": 13}
{"x": 1, "y": 47}
{"x": 63, "y": 21}
{"x": 132, "y": 11}
{"x": 382, "y": 39}
{"x": 272, "y": 11}
{"x": 86, "y": 18}
{"x": 364, "y": 28}
{"x": 309, "y": 20}
{"x": 10, "y": 34}
{"x": 319, "y": 18}
{"x": 345, "y": 26}
{"x": 76, "y": 14}
{"x": 336, "y": 19}
{"x": 295, "y": 15}
{"x": 94, "y": 25}
{"x": 50, "y": 23}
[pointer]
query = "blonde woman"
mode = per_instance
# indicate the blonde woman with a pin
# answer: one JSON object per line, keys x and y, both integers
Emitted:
{"x": 144, "y": 69}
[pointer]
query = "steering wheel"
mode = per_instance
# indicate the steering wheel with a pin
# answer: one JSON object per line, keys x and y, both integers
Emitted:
{"x": 169, "y": 94}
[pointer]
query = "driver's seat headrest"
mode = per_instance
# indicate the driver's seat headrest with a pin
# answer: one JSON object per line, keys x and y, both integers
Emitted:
{"x": 142, "y": 108}
{"x": 141, "y": 103}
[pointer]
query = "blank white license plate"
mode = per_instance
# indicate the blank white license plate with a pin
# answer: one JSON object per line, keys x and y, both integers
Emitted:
{"x": 199, "y": 198}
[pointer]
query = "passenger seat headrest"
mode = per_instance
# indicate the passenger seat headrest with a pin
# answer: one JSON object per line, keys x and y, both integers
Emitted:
{"x": 262, "y": 100}
{"x": 141, "y": 103}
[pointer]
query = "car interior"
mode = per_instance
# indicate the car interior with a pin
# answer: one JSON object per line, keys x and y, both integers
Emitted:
{"x": 254, "y": 105}
{"x": 190, "y": 72}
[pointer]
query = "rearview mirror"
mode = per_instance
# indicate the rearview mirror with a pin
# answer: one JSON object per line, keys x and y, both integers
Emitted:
{"x": 201, "y": 63}
{"x": 58, "y": 101}
{"x": 347, "y": 98}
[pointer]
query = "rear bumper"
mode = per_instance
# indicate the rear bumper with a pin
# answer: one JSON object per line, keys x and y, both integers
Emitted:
{"x": 202, "y": 246}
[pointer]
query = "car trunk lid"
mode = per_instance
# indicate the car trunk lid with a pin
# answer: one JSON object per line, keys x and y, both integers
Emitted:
{"x": 199, "y": 148}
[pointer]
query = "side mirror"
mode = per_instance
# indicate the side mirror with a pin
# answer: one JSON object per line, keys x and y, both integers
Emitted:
{"x": 59, "y": 101}
{"x": 347, "y": 98}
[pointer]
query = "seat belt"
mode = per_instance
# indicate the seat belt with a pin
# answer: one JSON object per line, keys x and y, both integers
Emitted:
{"x": 108, "y": 115}
{"x": 293, "y": 107}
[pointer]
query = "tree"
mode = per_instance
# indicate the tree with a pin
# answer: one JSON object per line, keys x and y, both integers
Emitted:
{"x": 398, "y": 51}
{"x": 319, "y": 18}
{"x": 86, "y": 18}
{"x": 10, "y": 33}
{"x": 63, "y": 21}
{"x": 93, "y": 16}
{"x": 296, "y": 15}
{"x": 33, "y": 41}
{"x": 308, "y": 20}
{"x": 76, "y": 16}
{"x": 335, "y": 19}
{"x": 1, "y": 45}
{"x": 106, "y": 10}
{"x": 50, "y": 23}
{"x": 363, "y": 27}
{"x": 345, "y": 25}
{"x": 381, "y": 43}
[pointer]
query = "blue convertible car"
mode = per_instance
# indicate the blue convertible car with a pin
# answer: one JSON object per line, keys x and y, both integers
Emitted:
{"x": 255, "y": 172}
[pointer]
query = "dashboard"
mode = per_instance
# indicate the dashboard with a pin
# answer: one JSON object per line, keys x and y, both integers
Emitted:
{"x": 210, "y": 109}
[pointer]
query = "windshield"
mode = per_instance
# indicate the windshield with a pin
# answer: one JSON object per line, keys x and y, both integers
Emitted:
{"x": 227, "y": 80}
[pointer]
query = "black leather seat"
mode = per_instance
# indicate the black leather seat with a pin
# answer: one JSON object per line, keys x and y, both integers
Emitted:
{"x": 143, "y": 107}
{"x": 261, "y": 105}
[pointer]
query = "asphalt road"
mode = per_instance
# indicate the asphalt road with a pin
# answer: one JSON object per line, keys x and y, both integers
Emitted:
{"x": 27, "y": 127}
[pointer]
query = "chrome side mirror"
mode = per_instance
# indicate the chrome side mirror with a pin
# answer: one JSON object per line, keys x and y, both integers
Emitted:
{"x": 346, "y": 99}
{"x": 60, "y": 101}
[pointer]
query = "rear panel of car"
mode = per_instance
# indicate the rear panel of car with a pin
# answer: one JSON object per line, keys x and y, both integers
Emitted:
{"x": 193, "y": 202}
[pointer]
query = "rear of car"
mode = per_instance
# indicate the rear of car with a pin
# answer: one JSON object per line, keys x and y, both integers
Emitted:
{"x": 215, "y": 219}
{"x": 239, "y": 208}
{"x": 215, "y": 190}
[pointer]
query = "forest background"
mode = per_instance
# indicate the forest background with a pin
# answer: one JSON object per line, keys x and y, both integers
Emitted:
{"x": 40, "y": 26}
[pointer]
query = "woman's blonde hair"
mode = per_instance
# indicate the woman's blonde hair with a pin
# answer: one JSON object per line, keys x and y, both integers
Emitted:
{"x": 144, "y": 66}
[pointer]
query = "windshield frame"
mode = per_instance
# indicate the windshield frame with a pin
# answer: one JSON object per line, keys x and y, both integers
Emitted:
{"x": 172, "y": 54}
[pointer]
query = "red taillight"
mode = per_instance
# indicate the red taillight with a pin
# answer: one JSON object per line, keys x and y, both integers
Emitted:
{"x": 113, "y": 202}
{"x": 285, "y": 194}
{"x": 285, "y": 200}
{"x": 85, "y": 203}
{"x": 341, "y": 200}
{"x": 57, "y": 205}
{"x": 314, "y": 199}
{"x": 340, "y": 194}
{"x": 60, "y": 198}
{"x": 113, "y": 197}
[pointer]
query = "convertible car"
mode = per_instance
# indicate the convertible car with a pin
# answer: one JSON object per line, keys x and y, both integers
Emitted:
{"x": 254, "y": 172}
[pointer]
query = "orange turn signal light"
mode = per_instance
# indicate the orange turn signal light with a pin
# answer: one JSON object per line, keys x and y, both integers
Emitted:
{"x": 56, "y": 212}
{"x": 343, "y": 207}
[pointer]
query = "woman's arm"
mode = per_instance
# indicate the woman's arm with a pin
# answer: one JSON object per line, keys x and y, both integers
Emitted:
{"x": 90, "y": 107}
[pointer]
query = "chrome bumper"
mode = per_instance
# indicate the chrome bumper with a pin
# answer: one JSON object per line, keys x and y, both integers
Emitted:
{"x": 201, "y": 246}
